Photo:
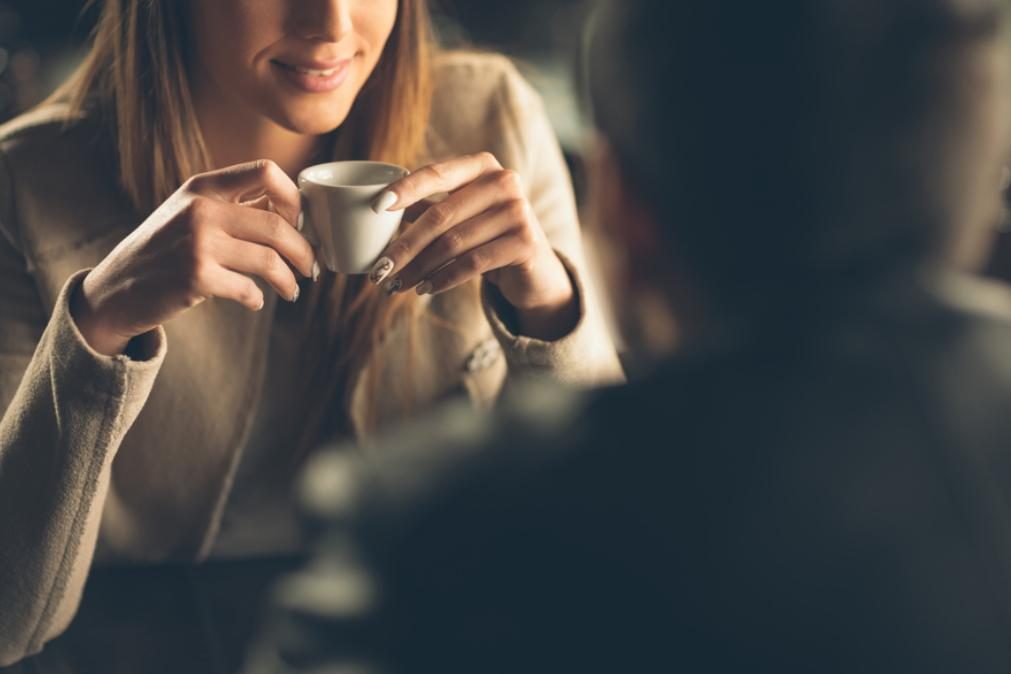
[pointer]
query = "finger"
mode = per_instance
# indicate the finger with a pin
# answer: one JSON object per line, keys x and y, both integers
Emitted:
{"x": 466, "y": 236}
{"x": 263, "y": 261}
{"x": 252, "y": 178}
{"x": 415, "y": 211}
{"x": 502, "y": 252}
{"x": 467, "y": 202}
{"x": 269, "y": 229}
{"x": 230, "y": 285}
{"x": 261, "y": 203}
{"x": 440, "y": 177}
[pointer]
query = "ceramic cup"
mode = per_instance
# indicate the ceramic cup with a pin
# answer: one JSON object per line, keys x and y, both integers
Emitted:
{"x": 337, "y": 216}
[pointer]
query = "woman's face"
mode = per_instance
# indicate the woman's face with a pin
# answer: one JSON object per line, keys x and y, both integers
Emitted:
{"x": 299, "y": 63}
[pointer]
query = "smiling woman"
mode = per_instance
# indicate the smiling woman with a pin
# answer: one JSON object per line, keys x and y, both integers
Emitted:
{"x": 298, "y": 65}
{"x": 154, "y": 391}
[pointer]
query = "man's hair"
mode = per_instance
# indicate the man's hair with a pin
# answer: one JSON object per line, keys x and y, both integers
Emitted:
{"x": 793, "y": 143}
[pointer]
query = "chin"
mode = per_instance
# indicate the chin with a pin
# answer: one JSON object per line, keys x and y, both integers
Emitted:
{"x": 314, "y": 119}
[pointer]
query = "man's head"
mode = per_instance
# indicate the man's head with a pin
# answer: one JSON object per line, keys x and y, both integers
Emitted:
{"x": 761, "y": 155}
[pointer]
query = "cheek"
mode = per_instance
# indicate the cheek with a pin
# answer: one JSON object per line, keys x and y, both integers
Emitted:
{"x": 229, "y": 33}
{"x": 373, "y": 22}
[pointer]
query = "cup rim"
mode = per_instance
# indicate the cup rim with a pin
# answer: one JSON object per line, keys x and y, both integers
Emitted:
{"x": 303, "y": 178}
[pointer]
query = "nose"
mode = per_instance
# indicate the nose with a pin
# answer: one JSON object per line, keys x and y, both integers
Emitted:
{"x": 322, "y": 20}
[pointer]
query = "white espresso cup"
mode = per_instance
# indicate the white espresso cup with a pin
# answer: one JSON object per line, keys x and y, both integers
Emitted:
{"x": 337, "y": 216}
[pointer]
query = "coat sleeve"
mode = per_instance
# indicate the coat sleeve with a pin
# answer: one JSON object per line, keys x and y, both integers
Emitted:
{"x": 585, "y": 356}
{"x": 66, "y": 409}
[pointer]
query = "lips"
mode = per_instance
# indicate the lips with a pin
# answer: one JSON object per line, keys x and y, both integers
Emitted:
{"x": 314, "y": 76}
{"x": 316, "y": 72}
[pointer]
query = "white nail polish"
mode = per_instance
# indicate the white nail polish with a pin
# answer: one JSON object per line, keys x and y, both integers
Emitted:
{"x": 384, "y": 201}
{"x": 299, "y": 222}
{"x": 380, "y": 270}
{"x": 424, "y": 289}
{"x": 294, "y": 295}
{"x": 315, "y": 271}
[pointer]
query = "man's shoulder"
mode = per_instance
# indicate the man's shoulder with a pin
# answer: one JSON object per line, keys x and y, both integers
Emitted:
{"x": 962, "y": 338}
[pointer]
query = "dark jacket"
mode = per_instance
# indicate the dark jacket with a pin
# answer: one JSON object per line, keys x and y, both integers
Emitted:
{"x": 825, "y": 498}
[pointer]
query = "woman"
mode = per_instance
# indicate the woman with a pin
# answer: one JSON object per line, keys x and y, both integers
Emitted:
{"x": 143, "y": 422}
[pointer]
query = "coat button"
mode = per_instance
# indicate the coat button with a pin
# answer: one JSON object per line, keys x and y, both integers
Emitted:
{"x": 484, "y": 355}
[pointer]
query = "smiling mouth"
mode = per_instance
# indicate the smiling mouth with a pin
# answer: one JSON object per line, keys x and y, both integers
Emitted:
{"x": 312, "y": 72}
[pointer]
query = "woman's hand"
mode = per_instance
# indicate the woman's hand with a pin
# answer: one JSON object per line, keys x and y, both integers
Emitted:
{"x": 485, "y": 227}
{"x": 199, "y": 244}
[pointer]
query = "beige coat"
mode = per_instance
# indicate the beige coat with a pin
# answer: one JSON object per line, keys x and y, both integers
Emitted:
{"x": 132, "y": 460}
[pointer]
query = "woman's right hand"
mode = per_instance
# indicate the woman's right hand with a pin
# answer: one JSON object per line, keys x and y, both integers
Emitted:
{"x": 198, "y": 244}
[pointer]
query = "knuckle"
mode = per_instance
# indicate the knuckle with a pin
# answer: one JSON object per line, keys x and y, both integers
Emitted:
{"x": 265, "y": 167}
{"x": 195, "y": 182}
{"x": 270, "y": 262}
{"x": 518, "y": 210}
{"x": 399, "y": 249}
{"x": 509, "y": 180}
{"x": 527, "y": 236}
{"x": 452, "y": 243}
{"x": 199, "y": 247}
{"x": 473, "y": 263}
{"x": 436, "y": 171}
{"x": 487, "y": 159}
{"x": 441, "y": 215}
{"x": 250, "y": 292}
{"x": 198, "y": 210}
{"x": 201, "y": 274}
{"x": 408, "y": 185}
{"x": 275, "y": 228}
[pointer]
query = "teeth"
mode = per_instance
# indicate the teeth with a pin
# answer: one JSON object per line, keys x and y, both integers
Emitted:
{"x": 310, "y": 71}
{"x": 316, "y": 73}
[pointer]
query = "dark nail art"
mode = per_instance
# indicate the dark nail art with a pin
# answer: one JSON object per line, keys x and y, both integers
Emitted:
{"x": 393, "y": 286}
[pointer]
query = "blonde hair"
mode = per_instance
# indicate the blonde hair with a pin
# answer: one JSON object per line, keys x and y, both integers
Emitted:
{"x": 135, "y": 78}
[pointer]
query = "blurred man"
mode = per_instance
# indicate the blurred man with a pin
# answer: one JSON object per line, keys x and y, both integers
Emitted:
{"x": 818, "y": 477}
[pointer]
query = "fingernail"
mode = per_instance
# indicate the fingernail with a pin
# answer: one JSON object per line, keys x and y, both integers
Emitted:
{"x": 315, "y": 271}
{"x": 384, "y": 201}
{"x": 380, "y": 270}
{"x": 424, "y": 289}
{"x": 393, "y": 286}
{"x": 294, "y": 295}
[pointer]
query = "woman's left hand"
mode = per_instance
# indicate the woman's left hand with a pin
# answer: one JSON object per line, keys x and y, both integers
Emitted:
{"x": 485, "y": 227}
